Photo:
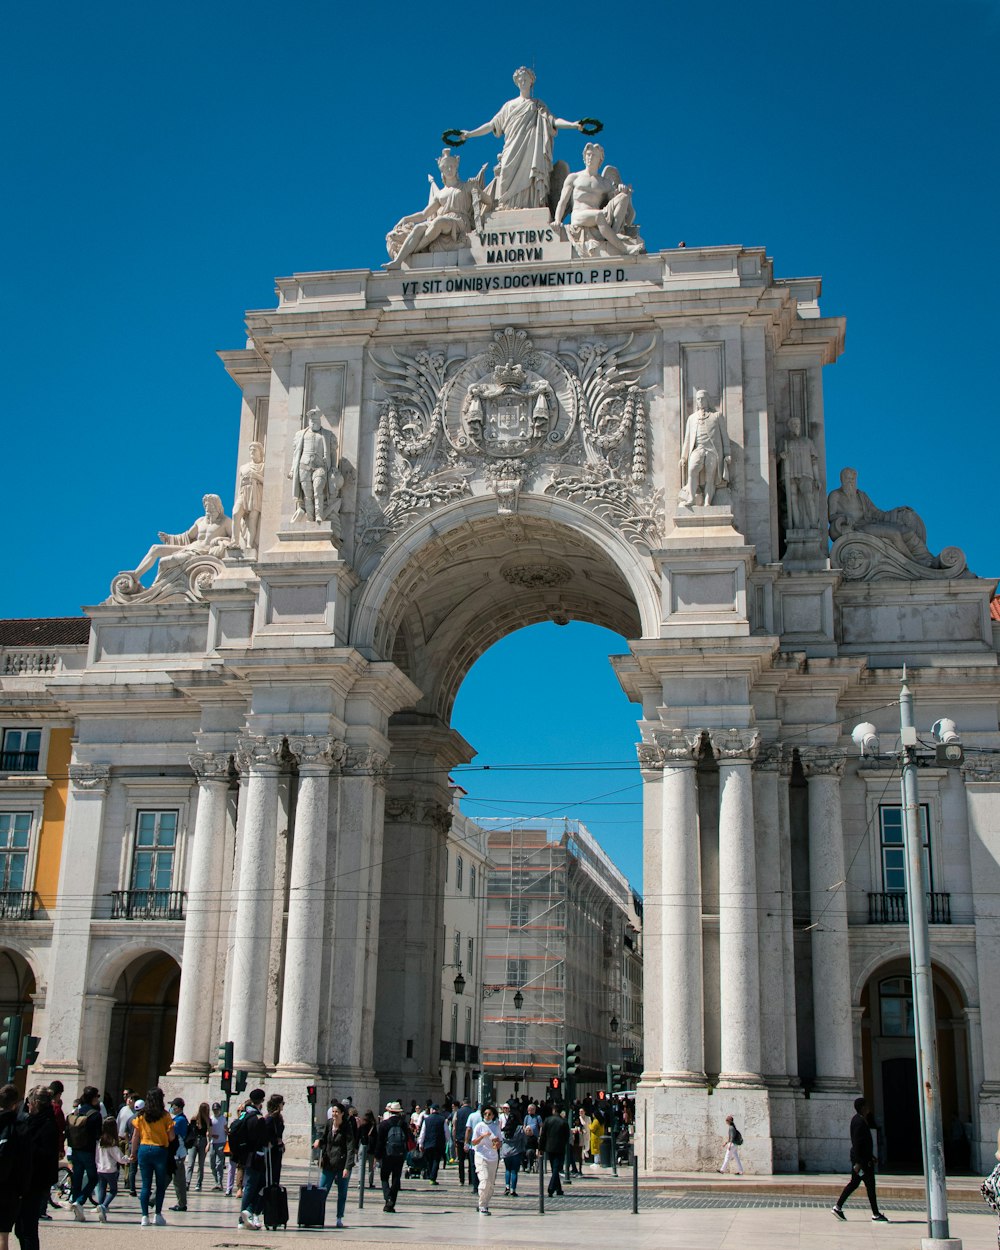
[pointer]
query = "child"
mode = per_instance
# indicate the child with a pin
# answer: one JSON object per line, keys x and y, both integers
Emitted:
{"x": 109, "y": 1158}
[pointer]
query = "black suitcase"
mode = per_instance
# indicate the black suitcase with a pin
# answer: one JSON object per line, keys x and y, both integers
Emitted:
{"x": 275, "y": 1200}
{"x": 312, "y": 1206}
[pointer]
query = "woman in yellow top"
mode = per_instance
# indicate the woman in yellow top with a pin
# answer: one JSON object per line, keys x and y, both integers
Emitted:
{"x": 596, "y": 1133}
{"x": 151, "y": 1139}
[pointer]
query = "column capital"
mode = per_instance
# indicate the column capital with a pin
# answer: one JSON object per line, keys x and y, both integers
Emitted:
{"x": 769, "y": 758}
{"x": 318, "y": 753}
{"x": 669, "y": 747}
{"x": 211, "y": 765}
{"x": 400, "y": 809}
{"x": 92, "y": 778}
{"x": 259, "y": 752}
{"x": 734, "y": 746}
{"x": 823, "y": 761}
{"x": 367, "y": 762}
{"x": 980, "y": 766}
{"x": 438, "y": 816}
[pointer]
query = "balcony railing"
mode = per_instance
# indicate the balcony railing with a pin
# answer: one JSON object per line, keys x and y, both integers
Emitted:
{"x": 148, "y": 904}
{"x": 17, "y": 904}
{"x": 18, "y": 761}
{"x": 891, "y": 908}
{"x": 32, "y": 660}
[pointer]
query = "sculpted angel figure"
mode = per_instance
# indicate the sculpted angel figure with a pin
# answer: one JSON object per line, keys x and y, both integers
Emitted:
{"x": 600, "y": 208}
{"x": 452, "y": 211}
{"x": 250, "y": 498}
{"x": 209, "y": 535}
{"x": 528, "y": 128}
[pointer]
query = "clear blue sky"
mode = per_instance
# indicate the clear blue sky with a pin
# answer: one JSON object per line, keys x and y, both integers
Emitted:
{"x": 164, "y": 163}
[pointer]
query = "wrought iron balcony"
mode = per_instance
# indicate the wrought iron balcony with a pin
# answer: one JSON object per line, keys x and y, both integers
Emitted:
{"x": 891, "y": 908}
{"x": 148, "y": 904}
{"x": 18, "y": 761}
{"x": 17, "y": 904}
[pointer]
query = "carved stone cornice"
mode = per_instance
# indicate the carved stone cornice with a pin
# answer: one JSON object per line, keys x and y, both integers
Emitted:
{"x": 211, "y": 765}
{"x": 823, "y": 761}
{"x": 769, "y": 757}
{"x": 318, "y": 753}
{"x": 981, "y": 766}
{"x": 734, "y": 746}
{"x": 650, "y": 756}
{"x": 92, "y": 778}
{"x": 259, "y": 752}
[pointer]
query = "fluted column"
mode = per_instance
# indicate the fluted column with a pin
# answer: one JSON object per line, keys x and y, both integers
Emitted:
{"x": 307, "y": 892}
{"x": 258, "y": 759}
{"x": 739, "y": 961}
{"x": 676, "y": 915}
{"x": 769, "y": 910}
{"x": 193, "y": 1041}
{"x": 831, "y": 964}
{"x": 787, "y": 912}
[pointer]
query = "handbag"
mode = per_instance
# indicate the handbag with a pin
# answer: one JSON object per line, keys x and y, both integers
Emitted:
{"x": 990, "y": 1189}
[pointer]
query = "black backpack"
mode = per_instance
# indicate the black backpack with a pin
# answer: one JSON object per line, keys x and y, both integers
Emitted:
{"x": 395, "y": 1140}
{"x": 737, "y": 1137}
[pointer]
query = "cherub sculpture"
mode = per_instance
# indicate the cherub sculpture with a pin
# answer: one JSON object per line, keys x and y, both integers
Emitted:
{"x": 453, "y": 210}
{"x": 600, "y": 208}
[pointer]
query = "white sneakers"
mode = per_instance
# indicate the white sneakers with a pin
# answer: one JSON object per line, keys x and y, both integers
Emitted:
{"x": 78, "y": 1212}
{"x": 102, "y": 1214}
{"x": 144, "y": 1222}
{"x": 249, "y": 1220}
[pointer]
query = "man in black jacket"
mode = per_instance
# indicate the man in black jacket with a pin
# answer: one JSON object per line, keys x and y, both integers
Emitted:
{"x": 83, "y": 1131}
{"x": 862, "y": 1164}
{"x": 432, "y": 1142}
{"x": 391, "y": 1145}
{"x": 42, "y": 1142}
{"x": 552, "y": 1143}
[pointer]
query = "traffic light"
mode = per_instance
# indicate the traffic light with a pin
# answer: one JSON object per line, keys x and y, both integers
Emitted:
{"x": 10, "y": 1036}
{"x": 311, "y": 1095}
{"x": 556, "y": 1084}
{"x": 601, "y": 1095}
{"x": 572, "y": 1058}
{"x": 486, "y": 1088}
{"x": 226, "y": 1067}
{"x": 616, "y": 1082}
{"x": 241, "y": 1080}
{"x": 29, "y": 1051}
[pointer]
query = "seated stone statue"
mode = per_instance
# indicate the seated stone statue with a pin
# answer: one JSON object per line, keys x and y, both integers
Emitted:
{"x": 210, "y": 535}
{"x": 852, "y": 510}
{"x": 601, "y": 219}
{"x": 452, "y": 211}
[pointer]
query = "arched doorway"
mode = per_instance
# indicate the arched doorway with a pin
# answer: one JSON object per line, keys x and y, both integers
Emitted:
{"x": 143, "y": 1022}
{"x": 890, "y": 1067}
{"x": 17, "y": 987}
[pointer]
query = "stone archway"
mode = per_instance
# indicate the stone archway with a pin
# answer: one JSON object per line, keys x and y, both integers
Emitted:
{"x": 143, "y": 1022}
{"x": 17, "y": 989}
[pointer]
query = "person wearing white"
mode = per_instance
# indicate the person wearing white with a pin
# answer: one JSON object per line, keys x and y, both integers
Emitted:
{"x": 486, "y": 1145}
{"x": 217, "y": 1157}
{"x": 733, "y": 1140}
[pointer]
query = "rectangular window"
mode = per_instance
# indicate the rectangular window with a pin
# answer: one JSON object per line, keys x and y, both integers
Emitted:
{"x": 472, "y": 880}
{"x": 893, "y": 855}
{"x": 520, "y": 910}
{"x": 456, "y": 948}
{"x": 15, "y": 829}
{"x": 469, "y": 949}
{"x": 459, "y": 866}
{"x": 468, "y": 1026}
{"x": 155, "y": 843}
{"x": 517, "y": 971}
{"x": 20, "y": 750}
{"x": 515, "y": 1036}
{"x": 454, "y": 1023}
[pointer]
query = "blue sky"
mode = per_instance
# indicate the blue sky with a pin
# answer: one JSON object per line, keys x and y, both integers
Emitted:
{"x": 165, "y": 163}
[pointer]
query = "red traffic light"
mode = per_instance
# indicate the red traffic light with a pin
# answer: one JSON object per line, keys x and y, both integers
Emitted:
{"x": 601, "y": 1095}
{"x": 311, "y": 1094}
{"x": 226, "y": 1075}
{"x": 556, "y": 1082}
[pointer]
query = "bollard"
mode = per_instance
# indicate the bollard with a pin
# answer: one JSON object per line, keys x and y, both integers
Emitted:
{"x": 541, "y": 1183}
{"x": 363, "y": 1168}
{"x": 635, "y": 1184}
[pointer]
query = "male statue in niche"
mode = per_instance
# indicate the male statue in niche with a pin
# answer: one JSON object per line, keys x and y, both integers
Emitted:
{"x": 800, "y": 462}
{"x": 310, "y": 470}
{"x": 705, "y": 454}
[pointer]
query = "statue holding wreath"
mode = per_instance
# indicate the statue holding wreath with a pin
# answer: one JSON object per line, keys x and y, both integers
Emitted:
{"x": 453, "y": 210}
{"x": 528, "y": 127}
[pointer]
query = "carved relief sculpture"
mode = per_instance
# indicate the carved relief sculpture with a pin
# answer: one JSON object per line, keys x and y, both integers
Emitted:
{"x": 249, "y": 499}
{"x": 602, "y": 220}
{"x": 317, "y": 496}
{"x": 524, "y": 172}
{"x": 189, "y": 562}
{"x": 705, "y": 454}
{"x": 453, "y": 210}
{"x": 870, "y": 544}
{"x": 800, "y": 464}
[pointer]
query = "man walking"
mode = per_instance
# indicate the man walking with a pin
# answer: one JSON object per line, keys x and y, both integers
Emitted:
{"x": 181, "y": 1126}
{"x": 390, "y": 1151}
{"x": 432, "y": 1142}
{"x": 862, "y": 1164}
{"x": 461, "y": 1118}
{"x": 83, "y": 1130}
{"x": 733, "y": 1141}
{"x": 217, "y": 1157}
{"x": 553, "y": 1143}
{"x": 251, "y": 1135}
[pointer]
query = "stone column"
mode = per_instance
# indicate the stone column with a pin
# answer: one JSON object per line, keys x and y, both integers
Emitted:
{"x": 787, "y": 922}
{"x": 258, "y": 759}
{"x": 67, "y": 977}
{"x": 193, "y": 1056}
{"x": 651, "y": 771}
{"x": 770, "y": 908}
{"x": 678, "y": 978}
{"x": 831, "y": 962}
{"x": 739, "y": 972}
{"x": 307, "y": 892}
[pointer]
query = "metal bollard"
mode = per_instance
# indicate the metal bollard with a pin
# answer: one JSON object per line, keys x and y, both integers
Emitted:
{"x": 635, "y": 1184}
{"x": 362, "y": 1169}
{"x": 541, "y": 1183}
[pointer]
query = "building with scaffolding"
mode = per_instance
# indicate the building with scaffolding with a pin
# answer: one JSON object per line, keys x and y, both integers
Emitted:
{"x": 563, "y": 958}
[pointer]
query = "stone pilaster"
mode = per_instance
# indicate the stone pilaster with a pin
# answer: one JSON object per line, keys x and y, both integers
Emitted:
{"x": 787, "y": 913}
{"x": 739, "y": 961}
{"x": 315, "y": 815}
{"x": 193, "y": 1054}
{"x": 259, "y": 762}
{"x": 770, "y": 906}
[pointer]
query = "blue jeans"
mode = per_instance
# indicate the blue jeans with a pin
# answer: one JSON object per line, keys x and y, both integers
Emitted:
{"x": 328, "y": 1179}
{"x": 152, "y": 1162}
{"x": 84, "y": 1175}
{"x": 107, "y": 1188}
{"x": 512, "y": 1165}
{"x": 254, "y": 1179}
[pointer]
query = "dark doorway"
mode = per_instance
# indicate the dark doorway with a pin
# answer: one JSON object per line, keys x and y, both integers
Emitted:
{"x": 902, "y": 1114}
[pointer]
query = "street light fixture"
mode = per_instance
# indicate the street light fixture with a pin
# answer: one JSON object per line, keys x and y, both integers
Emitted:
{"x": 614, "y": 1024}
{"x": 518, "y": 1000}
{"x": 459, "y": 981}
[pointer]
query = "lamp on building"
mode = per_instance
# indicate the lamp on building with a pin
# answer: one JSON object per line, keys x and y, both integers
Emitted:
{"x": 459, "y": 981}
{"x": 614, "y": 1024}
{"x": 518, "y": 1000}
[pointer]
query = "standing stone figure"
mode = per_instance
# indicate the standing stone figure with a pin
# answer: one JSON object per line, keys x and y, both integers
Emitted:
{"x": 250, "y": 498}
{"x": 451, "y": 213}
{"x": 600, "y": 208}
{"x": 209, "y": 535}
{"x": 801, "y": 465}
{"x": 310, "y": 470}
{"x": 528, "y": 129}
{"x": 705, "y": 456}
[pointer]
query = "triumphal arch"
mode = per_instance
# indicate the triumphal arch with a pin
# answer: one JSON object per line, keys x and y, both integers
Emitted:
{"x": 529, "y": 413}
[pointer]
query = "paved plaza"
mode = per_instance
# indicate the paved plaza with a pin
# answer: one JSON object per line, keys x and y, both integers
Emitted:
{"x": 698, "y": 1212}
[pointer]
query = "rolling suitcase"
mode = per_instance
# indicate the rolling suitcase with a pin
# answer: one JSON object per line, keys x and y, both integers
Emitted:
{"x": 312, "y": 1204}
{"x": 275, "y": 1200}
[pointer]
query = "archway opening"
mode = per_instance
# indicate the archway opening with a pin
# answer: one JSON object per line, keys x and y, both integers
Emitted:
{"x": 17, "y": 988}
{"x": 143, "y": 1023}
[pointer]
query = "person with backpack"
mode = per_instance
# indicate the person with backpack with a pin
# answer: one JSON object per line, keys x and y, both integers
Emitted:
{"x": 248, "y": 1137}
{"x": 182, "y": 1130}
{"x": 393, "y": 1141}
{"x": 15, "y": 1164}
{"x": 733, "y": 1140}
{"x": 83, "y": 1131}
{"x": 43, "y": 1142}
{"x": 152, "y": 1137}
{"x": 199, "y": 1131}
{"x": 220, "y": 1132}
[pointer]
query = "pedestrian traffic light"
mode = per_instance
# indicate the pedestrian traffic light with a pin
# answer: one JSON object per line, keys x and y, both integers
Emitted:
{"x": 556, "y": 1084}
{"x": 226, "y": 1067}
{"x": 486, "y": 1088}
{"x": 572, "y": 1058}
{"x": 601, "y": 1095}
{"x": 311, "y": 1095}
{"x": 241, "y": 1080}
{"x": 10, "y": 1036}
{"x": 616, "y": 1081}
{"x": 29, "y": 1051}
